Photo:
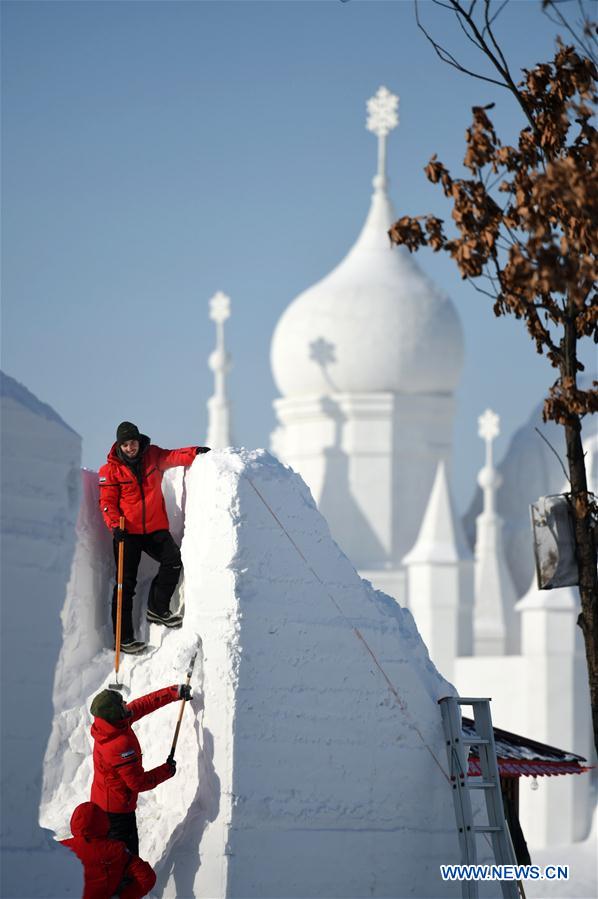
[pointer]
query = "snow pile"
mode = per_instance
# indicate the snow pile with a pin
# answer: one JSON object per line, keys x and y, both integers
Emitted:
{"x": 316, "y": 767}
{"x": 582, "y": 861}
{"x": 41, "y": 458}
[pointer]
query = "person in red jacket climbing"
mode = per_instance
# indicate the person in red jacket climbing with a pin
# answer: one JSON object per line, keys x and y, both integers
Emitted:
{"x": 109, "y": 869}
{"x": 131, "y": 486}
{"x": 118, "y": 775}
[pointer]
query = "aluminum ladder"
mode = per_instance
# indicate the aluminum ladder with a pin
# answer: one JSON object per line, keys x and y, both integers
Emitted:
{"x": 457, "y": 748}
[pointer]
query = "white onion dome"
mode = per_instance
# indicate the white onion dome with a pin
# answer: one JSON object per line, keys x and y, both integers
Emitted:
{"x": 375, "y": 323}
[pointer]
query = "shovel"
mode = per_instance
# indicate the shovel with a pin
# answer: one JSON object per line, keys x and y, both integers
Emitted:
{"x": 119, "y": 607}
{"x": 181, "y": 710}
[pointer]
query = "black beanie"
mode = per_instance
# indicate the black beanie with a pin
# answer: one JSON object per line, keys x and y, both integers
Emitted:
{"x": 109, "y": 706}
{"x": 127, "y": 431}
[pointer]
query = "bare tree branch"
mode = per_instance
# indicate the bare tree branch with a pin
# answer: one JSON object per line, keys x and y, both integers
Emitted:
{"x": 555, "y": 452}
{"x": 502, "y": 70}
{"x": 447, "y": 57}
{"x": 481, "y": 290}
{"x": 497, "y": 13}
{"x": 467, "y": 34}
{"x": 589, "y": 47}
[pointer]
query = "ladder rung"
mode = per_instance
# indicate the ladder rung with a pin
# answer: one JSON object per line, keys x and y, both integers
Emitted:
{"x": 487, "y": 780}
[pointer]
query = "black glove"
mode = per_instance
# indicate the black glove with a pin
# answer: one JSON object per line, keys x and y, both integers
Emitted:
{"x": 119, "y": 534}
{"x": 185, "y": 692}
{"x": 172, "y": 765}
{"x": 200, "y": 450}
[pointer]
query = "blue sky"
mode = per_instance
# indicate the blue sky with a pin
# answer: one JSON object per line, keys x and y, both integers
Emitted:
{"x": 155, "y": 152}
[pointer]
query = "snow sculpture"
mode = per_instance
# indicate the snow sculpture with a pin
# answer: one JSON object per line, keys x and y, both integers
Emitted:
{"x": 317, "y": 762}
{"x": 41, "y": 458}
{"x": 440, "y": 579}
{"x": 556, "y": 710}
{"x": 366, "y": 422}
{"x": 528, "y": 469}
{"x": 383, "y": 117}
{"x": 495, "y": 627}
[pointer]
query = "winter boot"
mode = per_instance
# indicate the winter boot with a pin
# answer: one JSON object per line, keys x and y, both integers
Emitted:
{"x": 168, "y": 619}
{"x": 132, "y": 647}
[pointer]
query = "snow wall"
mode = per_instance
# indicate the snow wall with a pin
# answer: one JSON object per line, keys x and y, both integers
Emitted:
{"x": 306, "y": 774}
{"x": 41, "y": 460}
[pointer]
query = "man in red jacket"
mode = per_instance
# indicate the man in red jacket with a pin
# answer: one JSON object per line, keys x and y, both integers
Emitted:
{"x": 131, "y": 486}
{"x": 109, "y": 868}
{"x": 118, "y": 775}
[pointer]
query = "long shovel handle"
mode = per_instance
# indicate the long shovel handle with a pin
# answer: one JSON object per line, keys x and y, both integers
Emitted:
{"x": 119, "y": 595}
{"x": 181, "y": 710}
{"x": 177, "y": 729}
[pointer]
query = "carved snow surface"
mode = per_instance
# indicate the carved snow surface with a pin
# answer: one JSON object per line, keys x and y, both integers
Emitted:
{"x": 41, "y": 460}
{"x": 316, "y": 767}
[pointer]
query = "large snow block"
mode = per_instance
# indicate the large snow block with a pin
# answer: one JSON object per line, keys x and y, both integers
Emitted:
{"x": 317, "y": 766}
{"x": 41, "y": 459}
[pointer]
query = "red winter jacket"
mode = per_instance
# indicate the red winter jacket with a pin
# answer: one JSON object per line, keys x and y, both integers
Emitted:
{"x": 118, "y": 775}
{"x": 139, "y": 498}
{"x": 106, "y": 862}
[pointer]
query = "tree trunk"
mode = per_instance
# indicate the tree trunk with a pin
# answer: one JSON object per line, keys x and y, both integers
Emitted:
{"x": 586, "y": 561}
{"x": 584, "y": 533}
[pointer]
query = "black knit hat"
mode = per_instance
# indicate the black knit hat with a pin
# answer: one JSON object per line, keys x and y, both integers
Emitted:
{"x": 109, "y": 706}
{"x": 127, "y": 431}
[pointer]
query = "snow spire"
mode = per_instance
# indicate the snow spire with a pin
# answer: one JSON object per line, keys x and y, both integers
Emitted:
{"x": 488, "y": 478}
{"x": 441, "y": 538}
{"x": 383, "y": 117}
{"x": 219, "y": 431}
{"x": 440, "y": 579}
{"x": 495, "y": 625}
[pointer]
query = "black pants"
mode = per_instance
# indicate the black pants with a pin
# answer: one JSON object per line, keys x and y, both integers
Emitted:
{"x": 123, "y": 826}
{"x": 160, "y": 546}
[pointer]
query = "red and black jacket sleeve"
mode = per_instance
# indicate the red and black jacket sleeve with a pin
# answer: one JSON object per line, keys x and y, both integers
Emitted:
{"x": 130, "y": 770}
{"x": 109, "y": 496}
{"x": 152, "y": 701}
{"x": 171, "y": 458}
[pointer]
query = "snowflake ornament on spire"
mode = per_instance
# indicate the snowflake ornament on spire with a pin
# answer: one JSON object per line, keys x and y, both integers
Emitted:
{"x": 219, "y": 307}
{"x": 383, "y": 112}
{"x": 489, "y": 425}
{"x": 489, "y": 479}
{"x": 383, "y": 117}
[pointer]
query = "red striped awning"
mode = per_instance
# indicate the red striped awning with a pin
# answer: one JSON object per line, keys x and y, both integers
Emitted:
{"x": 528, "y": 767}
{"x": 523, "y": 757}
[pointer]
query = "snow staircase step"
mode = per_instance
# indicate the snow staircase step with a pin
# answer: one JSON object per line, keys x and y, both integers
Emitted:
{"x": 497, "y": 827}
